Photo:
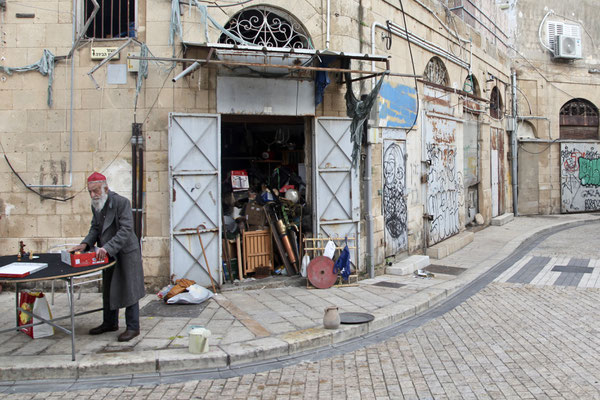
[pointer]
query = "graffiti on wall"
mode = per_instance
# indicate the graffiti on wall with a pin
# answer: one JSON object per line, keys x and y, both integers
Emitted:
{"x": 445, "y": 191}
{"x": 394, "y": 200}
{"x": 397, "y": 106}
{"x": 580, "y": 177}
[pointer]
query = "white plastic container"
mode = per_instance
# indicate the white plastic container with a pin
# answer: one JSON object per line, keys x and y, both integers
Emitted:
{"x": 198, "y": 340}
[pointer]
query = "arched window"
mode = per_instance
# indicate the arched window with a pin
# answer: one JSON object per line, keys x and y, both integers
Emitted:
{"x": 436, "y": 72}
{"x": 578, "y": 120}
{"x": 496, "y": 104}
{"x": 268, "y": 27}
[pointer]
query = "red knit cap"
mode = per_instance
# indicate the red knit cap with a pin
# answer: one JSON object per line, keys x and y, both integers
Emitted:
{"x": 95, "y": 177}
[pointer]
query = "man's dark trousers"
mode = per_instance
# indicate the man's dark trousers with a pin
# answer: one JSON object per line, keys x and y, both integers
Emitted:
{"x": 111, "y": 317}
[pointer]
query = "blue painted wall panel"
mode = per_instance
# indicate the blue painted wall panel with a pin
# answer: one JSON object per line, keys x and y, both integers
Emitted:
{"x": 397, "y": 105}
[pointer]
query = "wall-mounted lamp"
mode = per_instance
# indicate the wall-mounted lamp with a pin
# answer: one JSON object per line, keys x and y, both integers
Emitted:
{"x": 490, "y": 78}
{"x": 594, "y": 71}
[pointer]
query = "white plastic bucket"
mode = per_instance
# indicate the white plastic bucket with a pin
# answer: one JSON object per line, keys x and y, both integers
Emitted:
{"x": 198, "y": 340}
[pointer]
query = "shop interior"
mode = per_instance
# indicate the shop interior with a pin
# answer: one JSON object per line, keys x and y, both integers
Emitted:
{"x": 264, "y": 198}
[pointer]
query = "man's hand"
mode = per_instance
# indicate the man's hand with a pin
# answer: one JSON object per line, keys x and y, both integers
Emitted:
{"x": 79, "y": 247}
{"x": 101, "y": 253}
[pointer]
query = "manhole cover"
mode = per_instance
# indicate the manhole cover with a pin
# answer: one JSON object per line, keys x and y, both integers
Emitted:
{"x": 389, "y": 284}
{"x": 355, "y": 318}
{"x": 159, "y": 308}
{"x": 443, "y": 269}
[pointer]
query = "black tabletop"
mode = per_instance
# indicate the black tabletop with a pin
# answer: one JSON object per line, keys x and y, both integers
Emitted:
{"x": 55, "y": 269}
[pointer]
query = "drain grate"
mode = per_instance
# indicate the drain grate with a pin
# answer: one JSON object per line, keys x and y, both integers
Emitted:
{"x": 444, "y": 269}
{"x": 388, "y": 284}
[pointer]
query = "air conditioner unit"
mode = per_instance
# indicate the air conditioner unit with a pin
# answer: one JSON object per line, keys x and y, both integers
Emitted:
{"x": 567, "y": 47}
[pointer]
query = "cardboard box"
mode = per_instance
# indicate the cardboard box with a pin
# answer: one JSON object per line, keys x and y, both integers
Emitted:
{"x": 255, "y": 215}
{"x": 81, "y": 259}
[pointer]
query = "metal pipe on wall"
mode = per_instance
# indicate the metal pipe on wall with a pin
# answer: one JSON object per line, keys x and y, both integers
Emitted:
{"x": 369, "y": 206}
{"x": 328, "y": 19}
{"x": 513, "y": 144}
{"x": 424, "y": 44}
{"x": 137, "y": 177}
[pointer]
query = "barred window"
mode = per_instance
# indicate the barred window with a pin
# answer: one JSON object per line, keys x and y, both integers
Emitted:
{"x": 115, "y": 19}
{"x": 579, "y": 120}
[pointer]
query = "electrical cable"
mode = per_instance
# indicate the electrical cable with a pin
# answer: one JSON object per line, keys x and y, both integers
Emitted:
{"x": 538, "y": 152}
{"x": 413, "y": 66}
{"x": 109, "y": 164}
{"x": 526, "y": 99}
{"x": 541, "y": 74}
{"x": 160, "y": 90}
{"x": 43, "y": 196}
{"x": 582, "y": 25}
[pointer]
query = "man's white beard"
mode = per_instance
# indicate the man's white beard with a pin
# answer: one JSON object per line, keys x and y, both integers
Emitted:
{"x": 98, "y": 204}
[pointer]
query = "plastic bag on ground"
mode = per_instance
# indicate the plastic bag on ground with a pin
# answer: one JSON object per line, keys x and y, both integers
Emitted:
{"x": 195, "y": 294}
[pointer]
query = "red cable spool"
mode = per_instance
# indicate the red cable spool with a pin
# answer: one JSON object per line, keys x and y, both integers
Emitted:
{"x": 320, "y": 272}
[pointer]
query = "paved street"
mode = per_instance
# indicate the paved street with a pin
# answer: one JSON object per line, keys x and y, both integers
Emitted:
{"x": 532, "y": 333}
{"x": 509, "y": 341}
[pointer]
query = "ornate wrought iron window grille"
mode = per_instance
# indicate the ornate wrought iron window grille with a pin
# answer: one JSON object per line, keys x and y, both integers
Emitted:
{"x": 266, "y": 27}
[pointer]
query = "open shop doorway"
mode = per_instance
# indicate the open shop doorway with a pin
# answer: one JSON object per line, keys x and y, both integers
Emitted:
{"x": 264, "y": 190}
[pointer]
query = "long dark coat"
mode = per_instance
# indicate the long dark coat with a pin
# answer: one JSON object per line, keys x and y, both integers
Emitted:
{"x": 119, "y": 240}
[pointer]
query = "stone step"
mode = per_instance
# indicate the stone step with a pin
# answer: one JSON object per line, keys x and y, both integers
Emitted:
{"x": 450, "y": 245}
{"x": 408, "y": 265}
{"x": 503, "y": 219}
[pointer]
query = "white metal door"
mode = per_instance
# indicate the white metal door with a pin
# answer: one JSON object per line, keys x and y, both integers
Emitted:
{"x": 394, "y": 196}
{"x": 444, "y": 188}
{"x": 336, "y": 189}
{"x": 194, "y": 177}
{"x": 495, "y": 182}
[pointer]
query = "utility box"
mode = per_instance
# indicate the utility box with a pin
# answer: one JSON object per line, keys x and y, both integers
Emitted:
{"x": 133, "y": 65}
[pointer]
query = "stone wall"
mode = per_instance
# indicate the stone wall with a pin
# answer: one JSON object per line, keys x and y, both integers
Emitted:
{"x": 35, "y": 137}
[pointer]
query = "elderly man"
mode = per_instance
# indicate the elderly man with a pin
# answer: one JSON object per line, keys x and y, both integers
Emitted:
{"x": 112, "y": 231}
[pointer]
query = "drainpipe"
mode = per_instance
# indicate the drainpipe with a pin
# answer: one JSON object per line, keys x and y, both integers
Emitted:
{"x": 368, "y": 175}
{"x": 513, "y": 143}
{"x": 369, "y": 200}
{"x": 327, "y": 24}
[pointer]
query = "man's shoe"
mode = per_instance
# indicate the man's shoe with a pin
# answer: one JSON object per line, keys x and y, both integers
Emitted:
{"x": 102, "y": 329}
{"x": 128, "y": 335}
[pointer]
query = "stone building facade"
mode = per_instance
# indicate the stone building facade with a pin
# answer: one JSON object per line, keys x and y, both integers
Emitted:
{"x": 557, "y": 105}
{"x": 435, "y": 152}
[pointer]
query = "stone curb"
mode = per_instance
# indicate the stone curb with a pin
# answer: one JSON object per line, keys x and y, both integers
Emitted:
{"x": 152, "y": 362}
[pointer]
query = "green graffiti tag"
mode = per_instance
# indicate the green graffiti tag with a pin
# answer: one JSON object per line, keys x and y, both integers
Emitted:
{"x": 589, "y": 171}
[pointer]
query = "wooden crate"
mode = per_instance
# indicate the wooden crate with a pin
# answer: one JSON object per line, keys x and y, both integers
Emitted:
{"x": 258, "y": 251}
